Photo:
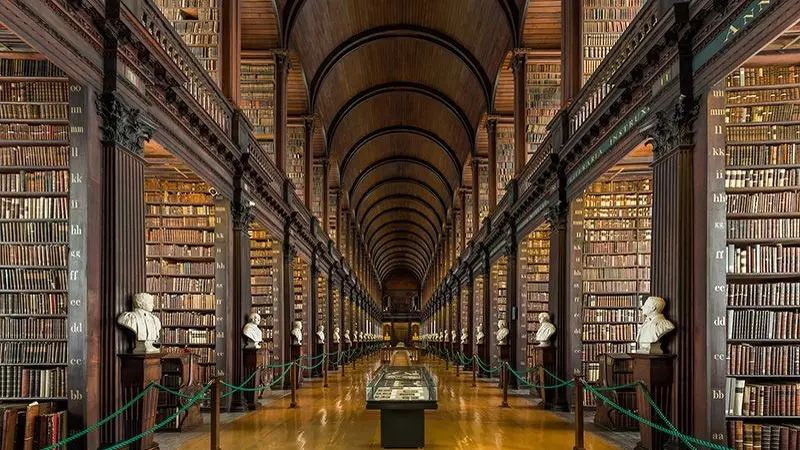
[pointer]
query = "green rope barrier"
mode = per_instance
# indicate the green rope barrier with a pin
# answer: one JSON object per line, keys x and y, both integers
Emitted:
{"x": 104, "y": 421}
{"x": 527, "y": 383}
{"x": 269, "y": 386}
{"x": 311, "y": 367}
{"x": 164, "y": 422}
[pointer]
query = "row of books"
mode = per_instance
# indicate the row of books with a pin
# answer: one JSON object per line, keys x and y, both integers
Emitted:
{"x": 762, "y": 133}
{"x": 764, "y": 294}
{"x": 187, "y": 318}
{"x": 35, "y": 181}
{"x": 779, "y": 177}
{"x": 34, "y": 156}
{"x": 763, "y": 228}
{"x": 34, "y": 303}
{"x": 743, "y": 97}
{"x": 609, "y": 13}
{"x": 617, "y": 286}
{"x": 33, "y": 353}
{"x": 186, "y": 301}
{"x": 203, "y": 214}
{"x": 764, "y": 113}
{"x": 607, "y": 273}
{"x": 612, "y": 260}
{"x": 183, "y": 336}
{"x": 760, "y": 258}
{"x": 616, "y": 247}
{"x": 608, "y": 332}
{"x": 181, "y": 222}
{"x": 32, "y": 425}
{"x": 756, "y": 436}
{"x": 177, "y": 250}
{"x": 180, "y": 197}
{"x": 26, "y": 132}
{"x": 34, "y": 255}
{"x": 34, "y": 91}
{"x": 196, "y": 26}
{"x": 29, "y": 68}
{"x": 600, "y": 235}
{"x": 746, "y": 324}
{"x": 639, "y": 187}
{"x": 634, "y": 224}
{"x": 33, "y": 328}
{"x": 748, "y": 398}
{"x": 762, "y": 202}
{"x": 764, "y": 75}
{"x": 611, "y": 301}
{"x": 746, "y": 359}
{"x": 23, "y": 111}
{"x": 591, "y": 351}
{"x": 760, "y": 155}
{"x": 34, "y": 208}
{"x": 612, "y": 315}
{"x": 34, "y": 232}
{"x": 206, "y": 354}
{"x": 33, "y": 279}
{"x": 172, "y": 284}
{"x": 181, "y": 268}
{"x": 22, "y": 382}
{"x": 622, "y": 201}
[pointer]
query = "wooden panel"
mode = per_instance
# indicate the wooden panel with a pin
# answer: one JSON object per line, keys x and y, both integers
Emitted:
{"x": 400, "y": 170}
{"x": 504, "y": 91}
{"x": 296, "y": 95}
{"x": 542, "y": 29}
{"x": 400, "y": 108}
{"x": 398, "y": 188}
{"x": 259, "y": 25}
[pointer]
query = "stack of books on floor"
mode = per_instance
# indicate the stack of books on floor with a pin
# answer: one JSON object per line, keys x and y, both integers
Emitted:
{"x": 27, "y": 426}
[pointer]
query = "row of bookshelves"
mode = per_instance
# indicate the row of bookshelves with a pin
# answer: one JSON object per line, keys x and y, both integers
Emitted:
{"x": 27, "y": 327}
{"x": 22, "y": 382}
{"x": 31, "y": 351}
{"x": 542, "y": 102}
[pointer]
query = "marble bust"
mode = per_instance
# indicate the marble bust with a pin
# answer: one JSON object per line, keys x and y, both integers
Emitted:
{"x": 464, "y": 336}
{"x": 336, "y": 338}
{"x": 347, "y": 337}
{"x": 252, "y": 333}
{"x": 502, "y": 333}
{"x": 320, "y": 334}
{"x": 546, "y": 330}
{"x": 479, "y": 334}
{"x": 297, "y": 333}
{"x": 654, "y": 326}
{"x": 453, "y": 336}
{"x": 143, "y": 323}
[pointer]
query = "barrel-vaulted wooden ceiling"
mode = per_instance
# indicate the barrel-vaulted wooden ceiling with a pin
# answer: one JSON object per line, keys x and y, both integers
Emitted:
{"x": 400, "y": 88}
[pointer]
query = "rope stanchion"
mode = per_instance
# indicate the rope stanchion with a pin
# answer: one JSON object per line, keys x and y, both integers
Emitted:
{"x": 504, "y": 379}
{"x": 293, "y": 385}
{"x": 215, "y": 404}
{"x": 578, "y": 412}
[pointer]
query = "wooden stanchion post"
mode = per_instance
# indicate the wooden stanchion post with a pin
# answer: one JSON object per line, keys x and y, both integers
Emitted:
{"x": 325, "y": 371}
{"x": 215, "y": 401}
{"x": 474, "y": 372}
{"x": 578, "y": 411}
{"x": 293, "y": 383}
{"x": 504, "y": 379}
{"x": 458, "y": 365}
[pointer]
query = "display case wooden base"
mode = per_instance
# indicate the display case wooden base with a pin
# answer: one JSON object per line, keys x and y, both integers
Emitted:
{"x": 546, "y": 358}
{"x": 255, "y": 359}
{"x": 655, "y": 371}
{"x": 138, "y": 372}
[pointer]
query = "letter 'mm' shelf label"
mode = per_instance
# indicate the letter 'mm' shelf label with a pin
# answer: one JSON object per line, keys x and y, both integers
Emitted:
{"x": 77, "y": 288}
{"x": 716, "y": 260}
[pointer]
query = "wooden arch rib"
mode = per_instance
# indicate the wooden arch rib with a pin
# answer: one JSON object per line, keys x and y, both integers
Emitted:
{"x": 398, "y": 129}
{"x": 416, "y": 88}
{"x": 398, "y": 257}
{"x": 404, "y": 235}
{"x": 438, "y": 176}
{"x": 384, "y": 245}
{"x": 395, "y": 31}
{"x": 375, "y": 190}
{"x": 400, "y": 264}
{"x": 397, "y": 200}
{"x": 395, "y": 210}
{"x": 386, "y": 256}
{"x": 405, "y": 225}
{"x": 403, "y": 214}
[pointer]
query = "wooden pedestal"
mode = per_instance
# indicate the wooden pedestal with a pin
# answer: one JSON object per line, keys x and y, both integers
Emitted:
{"x": 332, "y": 359}
{"x": 138, "y": 371}
{"x": 655, "y": 371}
{"x": 297, "y": 353}
{"x": 546, "y": 358}
{"x": 319, "y": 350}
{"x": 254, "y": 359}
{"x": 467, "y": 351}
{"x": 505, "y": 350}
{"x": 481, "y": 355}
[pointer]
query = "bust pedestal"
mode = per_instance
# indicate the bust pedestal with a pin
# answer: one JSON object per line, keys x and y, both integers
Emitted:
{"x": 482, "y": 356}
{"x": 254, "y": 359}
{"x": 297, "y": 353}
{"x": 137, "y": 372}
{"x": 655, "y": 371}
{"x": 546, "y": 358}
{"x": 504, "y": 354}
{"x": 466, "y": 349}
{"x": 319, "y": 350}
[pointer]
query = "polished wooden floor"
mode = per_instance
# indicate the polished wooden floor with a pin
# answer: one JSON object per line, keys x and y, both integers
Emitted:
{"x": 335, "y": 418}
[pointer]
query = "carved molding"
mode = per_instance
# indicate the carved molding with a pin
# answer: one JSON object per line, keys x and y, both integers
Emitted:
{"x": 242, "y": 215}
{"x": 123, "y": 126}
{"x": 675, "y": 129}
{"x": 557, "y": 215}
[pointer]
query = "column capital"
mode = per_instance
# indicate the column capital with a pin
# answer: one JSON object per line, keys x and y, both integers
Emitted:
{"x": 281, "y": 56}
{"x": 518, "y": 59}
{"x": 674, "y": 129}
{"x": 242, "y": 215}
{"x": 491, "y": 123}
{"x": 123, "y": 126}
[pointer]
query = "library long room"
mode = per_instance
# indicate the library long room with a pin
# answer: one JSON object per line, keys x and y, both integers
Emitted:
{"x": 501, "y": 224}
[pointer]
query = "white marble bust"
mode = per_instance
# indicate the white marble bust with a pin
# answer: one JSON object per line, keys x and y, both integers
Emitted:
{"x": 143, "y": 323}
{"x": 297, "y": 333}
{"x": 453, "y": 336}
{"x": 654, "y": 326}
{"x": 546, "y": 330}
{"x": 464, "y": 336}
{"x": 479, "y": 333}
{"x": 336, "y": 338}
{"x": 502, "y": 333}
{"x": 347, "y": 337}
{"x": 320, "y": 334}
{"x": 252, "y": 333}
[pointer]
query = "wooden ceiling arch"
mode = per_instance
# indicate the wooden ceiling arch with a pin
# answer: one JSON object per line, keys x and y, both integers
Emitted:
{"x": 400, "y": 265}
{"x": 386, "y": 245}
{"x": 397, "y": 258}
{"x": 405, "y": 214}
{"x": 398, "y": 248}
{"x": 404, "y": 236}
{"x": 401, "y": 225}
{"x": 401, "y": 200}
{"x": 398, "y": 209}
{"x": 404, "y": 172}
{"x": 384, "y": 164}
{"x": 397, "y": 182}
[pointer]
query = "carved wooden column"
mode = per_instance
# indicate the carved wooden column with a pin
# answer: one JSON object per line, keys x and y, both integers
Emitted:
{"x": 476, "y": 189}
{"x": 281, "y": 107}
{"x": 120, "y": 236}
{"x": 487, "y": 303}
{"x": 230, "y": 50}
{"x": 491, "y": 135}
{"x": 338, "y": 202}
{"x": 312, "y": 307}
{"x": 519, "y": 66}
{"x": 289, "y": 253}
{"x": 571, "y": 49}
{"x": 516, "y": 326}
{"x": 308, "y": 193}
{"x": 326, "y": 198}
{"x": 559, "y": 300}
{"x": 463, "y": 218}
{"x": 240, "y": 307}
